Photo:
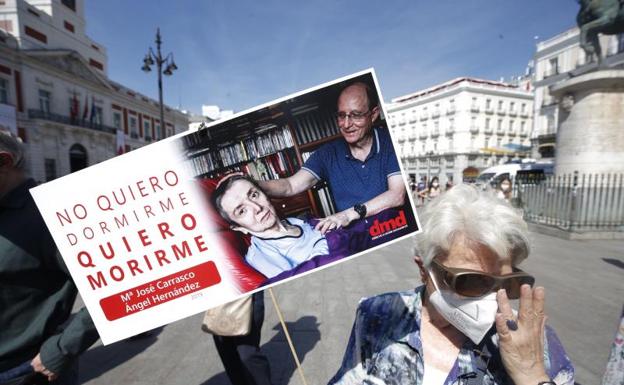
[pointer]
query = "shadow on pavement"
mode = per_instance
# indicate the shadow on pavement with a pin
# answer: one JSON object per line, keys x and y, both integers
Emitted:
{"x": 614, "y": 262}
{"x": 304, "y": 333}
{"x": 101, "y": 359}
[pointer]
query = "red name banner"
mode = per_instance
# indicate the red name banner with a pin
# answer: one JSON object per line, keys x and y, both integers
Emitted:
{"x": 160, "y": 290}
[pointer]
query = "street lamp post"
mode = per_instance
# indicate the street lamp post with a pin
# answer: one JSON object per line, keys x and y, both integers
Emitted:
{"x": 156, "y": 58}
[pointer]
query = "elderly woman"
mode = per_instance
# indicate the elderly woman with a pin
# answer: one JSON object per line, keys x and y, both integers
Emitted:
{"x": 459, "y": 328}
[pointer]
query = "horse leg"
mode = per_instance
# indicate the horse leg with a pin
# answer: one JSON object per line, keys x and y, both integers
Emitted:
{"x": 595, "y": 41}
{"x": 590, "y": 31}
{"x": 587, "y": 46}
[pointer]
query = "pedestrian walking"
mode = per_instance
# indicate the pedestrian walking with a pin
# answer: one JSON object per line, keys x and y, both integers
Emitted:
{"x": 432, "y": 191}
{"x": 242, "y": 359}
{"x": 503, "y": 189}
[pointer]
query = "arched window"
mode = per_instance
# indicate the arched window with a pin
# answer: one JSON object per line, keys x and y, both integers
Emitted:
{"x": 77, "y": 157}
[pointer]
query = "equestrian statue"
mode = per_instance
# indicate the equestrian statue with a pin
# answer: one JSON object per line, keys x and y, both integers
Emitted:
{"x": 598, "y": 16}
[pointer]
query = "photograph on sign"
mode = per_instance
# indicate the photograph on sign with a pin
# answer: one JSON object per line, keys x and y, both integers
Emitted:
{"x": 198, "y": 220}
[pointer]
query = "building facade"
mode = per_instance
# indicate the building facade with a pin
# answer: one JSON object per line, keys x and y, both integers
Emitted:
{"x": 457, "y": 128}
{"x": 69, "y": 114}
{"x": 48, "y": 24}
{"x": 209, "y": 114}
{"x": 557, "y": 59}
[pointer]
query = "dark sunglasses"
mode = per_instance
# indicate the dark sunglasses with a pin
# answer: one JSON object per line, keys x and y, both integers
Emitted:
{"x": 473, "y": 283}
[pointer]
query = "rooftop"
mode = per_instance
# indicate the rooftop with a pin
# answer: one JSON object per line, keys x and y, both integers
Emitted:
{"x": 441, "y": 87}
{"x": 572, "y": 32}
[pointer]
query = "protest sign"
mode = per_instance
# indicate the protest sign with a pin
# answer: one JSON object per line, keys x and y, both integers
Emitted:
{"x": 183, "y": 225}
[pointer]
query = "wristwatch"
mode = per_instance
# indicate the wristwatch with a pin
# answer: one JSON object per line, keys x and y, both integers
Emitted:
{"x": 360, "y": 209}
{"x": 546, "y": 383}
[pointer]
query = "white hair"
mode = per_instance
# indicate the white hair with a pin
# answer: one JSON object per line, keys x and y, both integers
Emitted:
{"x": 477, "y": 215}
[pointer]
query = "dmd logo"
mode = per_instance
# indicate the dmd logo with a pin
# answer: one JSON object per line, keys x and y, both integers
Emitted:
{"x": 386, "y": 227}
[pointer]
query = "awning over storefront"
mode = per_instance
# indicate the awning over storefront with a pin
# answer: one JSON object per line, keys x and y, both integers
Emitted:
{"x": 517, "y": 147}
{"x": 507, "y": 149}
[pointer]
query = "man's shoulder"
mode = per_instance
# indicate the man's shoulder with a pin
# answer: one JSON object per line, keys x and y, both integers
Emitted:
{"x": 383, "y": 135}
{"x": 383, "y": 132}
{"x": 21, "y": 220}
{"x": 20, "y": 196}
{"x": 333, "y": 146}
{"x": 323, "y": 157}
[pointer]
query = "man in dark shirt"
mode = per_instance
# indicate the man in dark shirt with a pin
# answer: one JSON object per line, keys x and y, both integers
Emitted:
{"x": 361, "y": 168}
{"x": 36, "y": 290}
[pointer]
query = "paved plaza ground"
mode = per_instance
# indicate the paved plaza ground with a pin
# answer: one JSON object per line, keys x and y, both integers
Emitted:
{"x": 584, "y": 283}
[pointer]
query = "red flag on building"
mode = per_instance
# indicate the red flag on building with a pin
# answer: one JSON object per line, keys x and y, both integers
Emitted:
{"x": 73, "y": 108}
{"x": 85, "y": 111}
{"x": 121, "y": 142}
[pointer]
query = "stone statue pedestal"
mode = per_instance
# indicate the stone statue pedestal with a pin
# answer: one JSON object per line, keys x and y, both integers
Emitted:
{"x": 590, "y": 138}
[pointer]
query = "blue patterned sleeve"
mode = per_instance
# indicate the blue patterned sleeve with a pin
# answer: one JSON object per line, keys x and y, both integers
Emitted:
{"x": 352, "y": 371}
{"x": 558, "y": 365}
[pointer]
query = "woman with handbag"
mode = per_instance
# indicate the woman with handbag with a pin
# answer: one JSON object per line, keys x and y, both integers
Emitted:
{"x": 236, "y": 328}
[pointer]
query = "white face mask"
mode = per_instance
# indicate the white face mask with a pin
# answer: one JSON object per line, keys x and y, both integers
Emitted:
{"x": 505, "y": 187}
{"x": 435, "y": 184}
{"x": 471, "y": 316}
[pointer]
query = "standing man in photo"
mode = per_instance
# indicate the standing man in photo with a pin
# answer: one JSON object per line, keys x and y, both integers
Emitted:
{"x": 361, "y": 168}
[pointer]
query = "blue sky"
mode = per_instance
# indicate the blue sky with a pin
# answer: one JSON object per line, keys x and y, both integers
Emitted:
{"x": 238, "y": 54}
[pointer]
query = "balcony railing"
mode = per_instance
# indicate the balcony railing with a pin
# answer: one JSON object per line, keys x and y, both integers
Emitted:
{"x": 474, "y": 129}
{"x": 513, "y": 112}
{"x": 450, "y": 110}
{"x": 40, "y": 114}
{"x": 489, "y": 110}
{"x": 549, "y": 102}
{"x": 474, "y": 108}
{"x": 435, "y": 113}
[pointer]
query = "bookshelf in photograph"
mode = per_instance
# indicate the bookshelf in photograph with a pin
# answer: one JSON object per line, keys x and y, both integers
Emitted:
{"x": 271, "y": 143}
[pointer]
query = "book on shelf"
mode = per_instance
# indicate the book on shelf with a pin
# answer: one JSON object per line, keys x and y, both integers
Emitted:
{"x": 204, "y": 163}
{"x": 273, "y": 166}
{"x": 206, "y": 160}
{"x": 324, "y": 203}
{"x": 315, "y": 125}
{"x": 324, "y": 198}
{"x": 191, "y": 141}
